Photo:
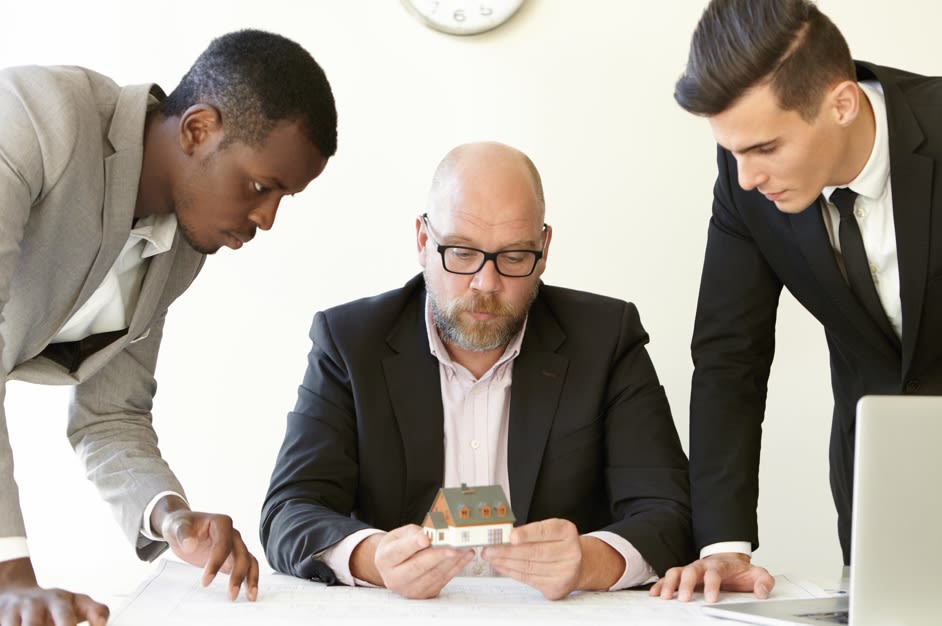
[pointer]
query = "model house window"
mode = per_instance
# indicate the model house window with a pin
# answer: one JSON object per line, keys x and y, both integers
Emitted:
{"x": 441, "y": 535}
{"x": 501, "y": 510}
{"x": 485, "y": 510}
{"x": 463, "y": 512}
{"x": 465, "y": 536}
{"x": 495, "y": 535}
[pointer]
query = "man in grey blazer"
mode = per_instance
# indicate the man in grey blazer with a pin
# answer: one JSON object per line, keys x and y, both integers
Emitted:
{"x": 828, "y": 185}
{"x": 110, "y": 198}
{"x": 480, "y": 374}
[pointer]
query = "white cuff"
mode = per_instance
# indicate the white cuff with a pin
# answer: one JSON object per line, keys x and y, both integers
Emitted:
{"x": 337, "y": 557}
{"x": 146, "y": 530}
{"x": 637, "y": 570}
{"x": 742, "y": 547}
{"x": 13, "y": 548}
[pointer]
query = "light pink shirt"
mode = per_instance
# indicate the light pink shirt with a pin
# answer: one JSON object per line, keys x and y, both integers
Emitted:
{"x": 477, "y": 414}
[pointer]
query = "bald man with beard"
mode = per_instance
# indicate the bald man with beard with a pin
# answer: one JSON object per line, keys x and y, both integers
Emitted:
{"x": 476, "y": 372}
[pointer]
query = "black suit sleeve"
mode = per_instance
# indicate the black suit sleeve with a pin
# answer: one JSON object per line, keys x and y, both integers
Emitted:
{"x": 733, "y": 344}
{"x": 313, "y": 486}
{"x": 645, "y": 469}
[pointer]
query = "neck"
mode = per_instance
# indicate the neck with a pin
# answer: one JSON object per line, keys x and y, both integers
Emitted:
{"x": 154, "y": 196}
{"x": 475, "y": 362}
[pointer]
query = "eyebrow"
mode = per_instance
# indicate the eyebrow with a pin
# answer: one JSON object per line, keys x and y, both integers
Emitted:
{"x": 756, "y": 146}
{"x": 515, "y": 245}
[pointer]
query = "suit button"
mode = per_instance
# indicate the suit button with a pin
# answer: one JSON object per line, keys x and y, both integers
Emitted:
{"x": 912, "y": 386}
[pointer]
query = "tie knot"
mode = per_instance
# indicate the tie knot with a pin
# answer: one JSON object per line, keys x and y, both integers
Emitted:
{"x": 843, "y": 198}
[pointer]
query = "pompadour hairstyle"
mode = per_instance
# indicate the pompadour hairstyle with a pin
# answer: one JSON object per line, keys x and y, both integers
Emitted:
{"x": 739, "y": 44}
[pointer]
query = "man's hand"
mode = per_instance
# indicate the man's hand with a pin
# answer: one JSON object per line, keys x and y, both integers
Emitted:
{"x": 209, "y": 541}
{"x": 550, "y": 556}
{"x": 729, "y": 571}
{"x": 403, "y": 561}
{"x": 23, "y": 601}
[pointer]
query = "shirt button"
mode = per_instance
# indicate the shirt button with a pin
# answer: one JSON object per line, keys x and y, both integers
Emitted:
{"x": 873, "y": 269}
{"x": 475, "y": 444}
{"x": 859, "y": 212}
{"x": 478, "y": 569}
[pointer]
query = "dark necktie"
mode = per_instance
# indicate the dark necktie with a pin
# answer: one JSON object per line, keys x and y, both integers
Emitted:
{"x": 855, "y": 258}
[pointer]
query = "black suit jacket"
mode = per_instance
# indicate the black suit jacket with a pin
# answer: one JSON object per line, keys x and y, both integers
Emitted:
{"x": 591, "y": 437}
{"x": 752, "y": 251}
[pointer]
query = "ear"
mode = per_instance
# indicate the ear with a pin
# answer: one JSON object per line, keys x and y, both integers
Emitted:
{"x": 844, "y": 102}
{"x": 541, "y": 266}
{"x": 421, "y": 239}
{"x": 200, "y": 128}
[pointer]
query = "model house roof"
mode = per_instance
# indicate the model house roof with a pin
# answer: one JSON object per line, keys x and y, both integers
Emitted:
{"x": 469, "y": 506}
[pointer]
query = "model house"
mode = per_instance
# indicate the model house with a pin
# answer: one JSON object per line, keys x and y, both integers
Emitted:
{"x": 469, "y": 516}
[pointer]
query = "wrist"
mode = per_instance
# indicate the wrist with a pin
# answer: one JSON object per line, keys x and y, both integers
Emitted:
{"x": 602, "y": 565}
{"x": 163, "y": 511}
{"x": 17, "y": 573}
{"x": 363, "y": 561}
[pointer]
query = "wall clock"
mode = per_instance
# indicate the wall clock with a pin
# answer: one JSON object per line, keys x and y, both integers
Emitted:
{"x": 463, "y": 17}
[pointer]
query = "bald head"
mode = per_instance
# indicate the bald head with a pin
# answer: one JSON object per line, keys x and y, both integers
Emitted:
{"x": 478, "y": 180}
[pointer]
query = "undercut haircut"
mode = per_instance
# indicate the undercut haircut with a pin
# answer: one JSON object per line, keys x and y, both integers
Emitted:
{"x": 257, "y": 79}
{"x": 740, "y": 44}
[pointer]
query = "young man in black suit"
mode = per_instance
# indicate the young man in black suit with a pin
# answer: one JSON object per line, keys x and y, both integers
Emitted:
{"x": 476, "y": 372}
{"x": 829, "y": 185}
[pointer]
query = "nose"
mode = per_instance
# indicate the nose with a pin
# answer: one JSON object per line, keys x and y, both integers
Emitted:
{"x": 487, "y": 279}
{"x": 750, "y": 175}
{"x": 263, "y": 216}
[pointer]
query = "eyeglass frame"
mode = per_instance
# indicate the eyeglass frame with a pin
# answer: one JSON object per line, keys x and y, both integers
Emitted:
{"x": 488, "y": 256}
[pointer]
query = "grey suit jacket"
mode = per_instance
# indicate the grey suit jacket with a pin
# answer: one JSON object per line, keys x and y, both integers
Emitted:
{"x": 71, "y": 148}
{"x": 590, "y": 435}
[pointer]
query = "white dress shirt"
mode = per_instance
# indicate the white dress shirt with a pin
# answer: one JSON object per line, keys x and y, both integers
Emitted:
{"x": 874, "y": 213}
{"x": 108, "y": 309}
{"x": 477, "y": 414}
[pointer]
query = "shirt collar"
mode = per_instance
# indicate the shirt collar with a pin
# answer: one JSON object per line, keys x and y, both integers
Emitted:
{"x": 438, "y": 350}
{"x": 157, "y": 231}
{"x": 871, "y": 182}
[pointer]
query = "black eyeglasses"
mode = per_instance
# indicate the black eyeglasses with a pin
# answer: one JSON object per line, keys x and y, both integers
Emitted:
{"x": 464, "y": 260}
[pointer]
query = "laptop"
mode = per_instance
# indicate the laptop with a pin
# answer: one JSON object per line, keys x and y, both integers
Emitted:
{"x": 896, "y": 533}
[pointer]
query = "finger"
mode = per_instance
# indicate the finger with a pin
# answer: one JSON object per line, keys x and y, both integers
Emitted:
{"x": 95, "y": 612}
{"x": 712, "y": 580}
{"x": 238, "y": 564}
{"x": 60, "y": 610}
{"x": 400, "y": 544}
{"x": 655, "y": 589}
{"x": 668, "y": 584}
{"x": 764, "y": 583}
{"x": 220, "y": 536}
{"x": 690, "y": 577}
{"x": 251, "y": 583}
{"x": 543, "y": 530}
{"x": 435, "y": 579}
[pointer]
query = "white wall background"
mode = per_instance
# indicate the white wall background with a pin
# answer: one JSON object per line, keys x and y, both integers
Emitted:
{"x": 584, "y": 87}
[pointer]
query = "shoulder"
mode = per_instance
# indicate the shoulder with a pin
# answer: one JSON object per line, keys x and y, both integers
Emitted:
{"x": 916, "y": 88}
{"x": 583, "y": 313}
{"x": 48, "y": 111}
{"x": 55, "y": 92}
{"x": 377, "y": 313}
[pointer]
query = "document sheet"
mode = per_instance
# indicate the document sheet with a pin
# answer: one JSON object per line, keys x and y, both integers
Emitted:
{"x": 173, "y": 596}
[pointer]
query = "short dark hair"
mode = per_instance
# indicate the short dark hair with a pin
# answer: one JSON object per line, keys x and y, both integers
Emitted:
{"x": 257, "y": 79}
{"x": 739, "y": 44}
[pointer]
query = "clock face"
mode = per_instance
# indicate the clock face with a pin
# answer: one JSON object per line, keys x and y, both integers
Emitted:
{"x": 463, "y": 17}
